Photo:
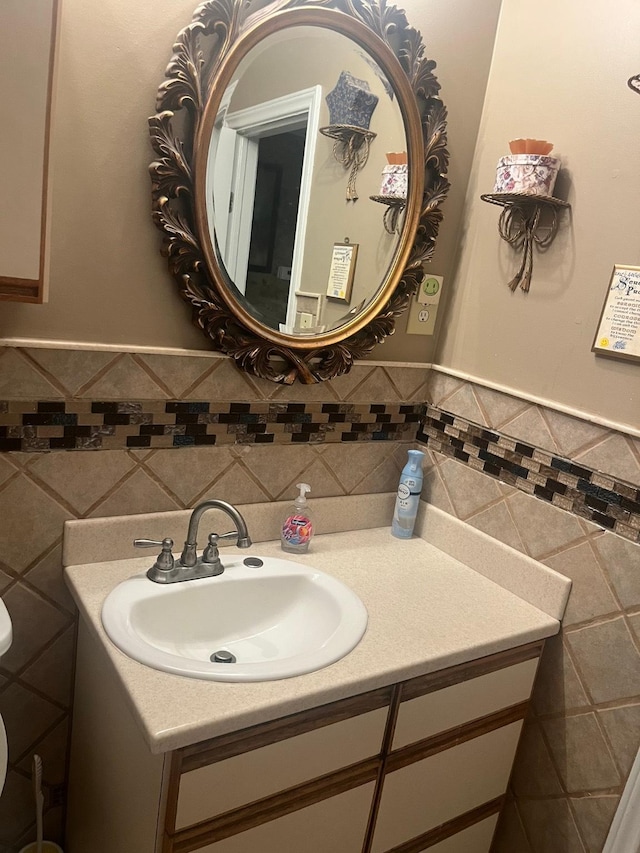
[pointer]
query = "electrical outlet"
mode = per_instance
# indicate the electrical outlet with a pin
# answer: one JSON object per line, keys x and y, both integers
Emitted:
{"x": 306, "y": 320}
{"x": 424, "y": 306}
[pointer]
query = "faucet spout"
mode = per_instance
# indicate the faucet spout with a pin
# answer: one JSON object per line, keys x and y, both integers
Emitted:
{"x": 189, "y": 555}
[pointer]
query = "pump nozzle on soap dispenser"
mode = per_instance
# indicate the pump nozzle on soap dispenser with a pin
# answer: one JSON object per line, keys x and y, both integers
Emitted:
{"x": 297, "y": 529}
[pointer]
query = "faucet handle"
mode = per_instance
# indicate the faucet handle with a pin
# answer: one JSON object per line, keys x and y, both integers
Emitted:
{"x": 165, "y": 560}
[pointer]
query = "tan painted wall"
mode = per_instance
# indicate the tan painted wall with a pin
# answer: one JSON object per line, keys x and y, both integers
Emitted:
{"x": 108, "y": 282}
{"x": 562, "y": 79}
{"x": 24, "y": 83}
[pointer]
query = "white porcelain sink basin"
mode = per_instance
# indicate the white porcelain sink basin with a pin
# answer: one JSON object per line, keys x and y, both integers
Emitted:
{"x": 278, "y": 620}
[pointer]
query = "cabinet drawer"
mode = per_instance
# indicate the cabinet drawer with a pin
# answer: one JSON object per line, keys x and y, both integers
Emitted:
{"x": 225, "y": 785}
{"x": 335, "y": 825}
{"x": 452, "y": 706}
{"x": 420, "y": 796}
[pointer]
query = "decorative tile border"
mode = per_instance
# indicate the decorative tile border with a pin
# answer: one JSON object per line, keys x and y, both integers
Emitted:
{"x": 611, "y": 503}
{"x": 42, "y": 425}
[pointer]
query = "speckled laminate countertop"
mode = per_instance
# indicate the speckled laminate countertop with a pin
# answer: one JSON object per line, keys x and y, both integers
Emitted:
{"x": 427, "y": 611}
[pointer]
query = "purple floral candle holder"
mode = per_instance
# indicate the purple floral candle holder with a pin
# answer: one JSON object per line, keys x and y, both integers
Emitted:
{"x": 534, "y": 174}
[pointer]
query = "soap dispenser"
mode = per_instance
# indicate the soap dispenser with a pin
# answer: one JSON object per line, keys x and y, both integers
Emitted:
{"x": 297, "y": 528}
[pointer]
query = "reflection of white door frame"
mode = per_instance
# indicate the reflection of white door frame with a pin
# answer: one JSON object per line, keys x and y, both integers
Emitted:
{"x": 289, "y": 112}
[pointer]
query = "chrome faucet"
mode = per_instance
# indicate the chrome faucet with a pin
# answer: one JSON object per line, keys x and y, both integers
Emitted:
{"x": 191, "y": 567}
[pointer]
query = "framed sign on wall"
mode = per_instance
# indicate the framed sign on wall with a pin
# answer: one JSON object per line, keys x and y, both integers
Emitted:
{"x": 618, "y": 332}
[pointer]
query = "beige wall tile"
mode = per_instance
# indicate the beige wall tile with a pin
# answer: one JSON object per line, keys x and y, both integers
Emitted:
{"x": 352, "y": 462}
{"x": 531, "y": 428}
{"x": 499, "y": 407}
{"x": 236, "y": 486}
{"x": 442, "y": 386}
{"x": 52, "y": 672}
{"x": 497, "y": 523}
{"x": 434, "y": 491}
{"x": 580, "y": 753}
{"x": 187, "y": 472}
{"x": 543, "y": 527}
{"x": 557, "y": 688}
{"x": 464, "y": 403}
{"x": 82, "y": 478}
{"x": 224, "y": 382}
{"x": 383, "y": 478}
{"x": 621, "y": 560}
{"x": 139, "y": 493}
{"x": 343, "y": 386}
{"x": 572, "y": 433}
{"x": 276, "y": 467}
{"x": 16, "y": 808}
{"x": 72, "y": 368}
{"x": 469, "y": 490}
{"x": 46, "y": 576}
{"x": 26, "y": 716}
{"x": 31, "y": 522}
{"x": 322, "y": 480}
{"x": 590, "y": 595}
{"x": 35, "y": 624}
{"x": 550, "y": 826}
{"x": 179, "y": 372}
{"x": 124, "y": 380}
{"x": 622, "y": 727}
{"x": 607, "y": 659}
{"x": 510, "y": 837}
{"x": 377, "y": 386}
{"x": 52, "y": 749}
{"x": 534, "y": 774}
{"x": 6, "y": 470}
{"x": 594, "y": 816}
{"x": 613, "y": 456}
{"x": 20, "y": 380}
{"x": 409, "y": 381}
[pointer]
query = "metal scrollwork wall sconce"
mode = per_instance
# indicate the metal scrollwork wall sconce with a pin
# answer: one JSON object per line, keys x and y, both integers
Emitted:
{"x": 524, "y": 183}
{"x": 526, "y": 221}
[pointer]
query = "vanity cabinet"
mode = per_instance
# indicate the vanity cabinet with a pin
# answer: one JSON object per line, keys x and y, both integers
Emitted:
{"x": 419, "y": 765}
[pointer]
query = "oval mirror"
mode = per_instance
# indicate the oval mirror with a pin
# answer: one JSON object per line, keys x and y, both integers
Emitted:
{"x": 301, "y": 170}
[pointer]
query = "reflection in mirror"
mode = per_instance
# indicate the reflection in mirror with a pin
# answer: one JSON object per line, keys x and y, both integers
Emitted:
{"x": 284, "y": 274}
{"x": 276, "y": 194}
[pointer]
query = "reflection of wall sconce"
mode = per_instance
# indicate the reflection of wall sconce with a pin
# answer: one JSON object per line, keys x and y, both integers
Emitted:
{"x": 351, "y": 104}
{"x": 393, "y": 191}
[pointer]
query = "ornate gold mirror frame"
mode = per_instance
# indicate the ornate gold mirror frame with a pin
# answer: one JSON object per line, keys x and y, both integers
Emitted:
{"x": 205, "y": 56}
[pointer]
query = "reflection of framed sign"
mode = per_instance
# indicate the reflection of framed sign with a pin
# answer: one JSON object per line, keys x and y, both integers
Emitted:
{"x": 342, "y": 271}
{"x": 618, "y": 331}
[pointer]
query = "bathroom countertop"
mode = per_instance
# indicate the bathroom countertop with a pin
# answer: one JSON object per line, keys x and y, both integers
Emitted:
{"x": 427, "y": 611}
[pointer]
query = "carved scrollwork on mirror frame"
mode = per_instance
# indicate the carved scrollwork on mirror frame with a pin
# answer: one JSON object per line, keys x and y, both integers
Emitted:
{"x": 204, "y": 57}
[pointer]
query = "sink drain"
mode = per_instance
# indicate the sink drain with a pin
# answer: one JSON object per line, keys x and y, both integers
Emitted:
{"x": 222, "y": 656}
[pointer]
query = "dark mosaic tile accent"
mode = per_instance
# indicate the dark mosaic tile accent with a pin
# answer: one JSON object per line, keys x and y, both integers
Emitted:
{"x": 106, "y": 425}
{"x": 550, "y": 478}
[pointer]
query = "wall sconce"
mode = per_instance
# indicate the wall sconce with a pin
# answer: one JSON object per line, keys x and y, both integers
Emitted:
{"x": 351, "y": 104}
{"x": 393, "y": 192}
{"x": 524, "y": 183}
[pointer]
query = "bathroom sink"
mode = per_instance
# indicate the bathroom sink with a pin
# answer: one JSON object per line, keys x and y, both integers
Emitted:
{"x": 264, "y": 619}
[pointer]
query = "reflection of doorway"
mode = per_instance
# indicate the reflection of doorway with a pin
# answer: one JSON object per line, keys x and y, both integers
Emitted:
{"x": 273, "y": 230}
{"x": 245, "y": 133}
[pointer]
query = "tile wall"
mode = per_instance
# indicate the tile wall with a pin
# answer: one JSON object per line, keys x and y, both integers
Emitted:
{"x": 332, "y": 436}
{"x": 583, "y": 734}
